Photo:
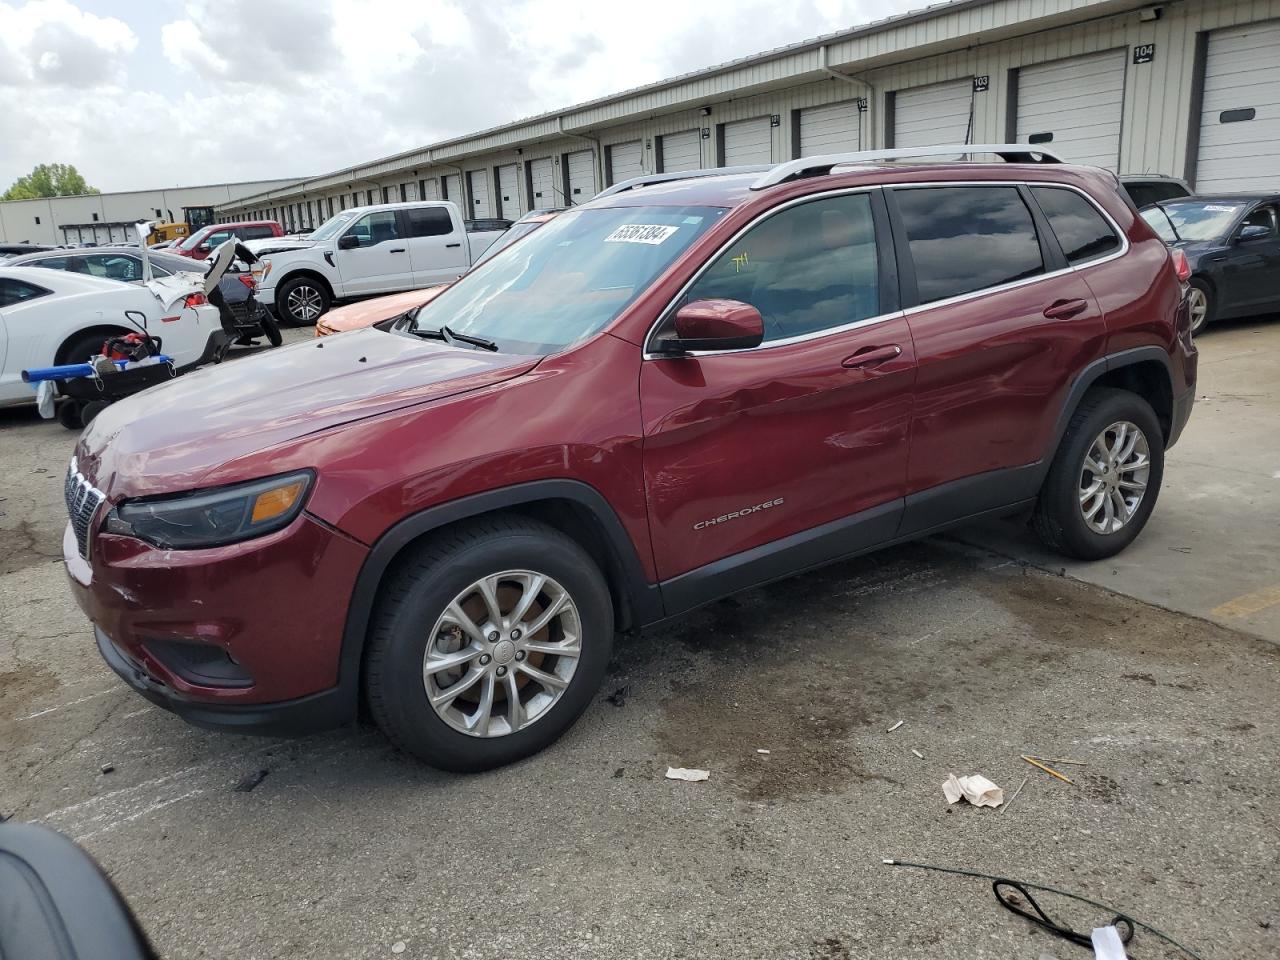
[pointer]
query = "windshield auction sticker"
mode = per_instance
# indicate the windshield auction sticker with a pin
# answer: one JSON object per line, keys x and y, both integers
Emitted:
{"x": 641, "y": 233}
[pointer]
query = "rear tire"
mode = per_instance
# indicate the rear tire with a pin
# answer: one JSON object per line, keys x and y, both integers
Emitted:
{"x": 301, "y": 301}
{"x": 518, "y": 694}
{"x": 1112, "y": 451}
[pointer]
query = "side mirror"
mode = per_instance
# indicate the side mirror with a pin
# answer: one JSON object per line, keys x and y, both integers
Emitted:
{"x": 1254, "y": 231}
{"x": 201, "y": 251}
{"x": 348, "y": 241}
{"x": 718, "y": 325}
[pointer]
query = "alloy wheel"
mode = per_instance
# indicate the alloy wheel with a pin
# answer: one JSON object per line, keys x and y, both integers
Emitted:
{"x": 1198, "y": 303}
{"x": 502, "y": 654}
{"x": 304, "y": 303}
{"x": 1114, "y": 477}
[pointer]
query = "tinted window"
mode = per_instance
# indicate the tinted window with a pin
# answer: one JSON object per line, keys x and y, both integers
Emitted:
{"x": 1082, "y": 231}
{"x": 1261, "y": 217}
{"x": 375, "y": 228}
{"x": 17, "y": 291}
{"x": 808, "y": 268}
{"x": 429, "y": 222}
{"x": 256, "y": 233}
{"x": 1143, "y": 194}
{"x": 968, "y": 238}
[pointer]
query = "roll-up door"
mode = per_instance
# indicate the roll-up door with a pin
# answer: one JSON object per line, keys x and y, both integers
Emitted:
{"x": 580, "y": 171}
{"x": 680, "y": 151}
{"x": 626, "y": 160}
{"x": 509, "y": 192}
{"x": 937, "y": 114}
{"x": 478, "y": 183}
{"x": 1074, "y": 107}
{"x": 747, "y": 141}
{"x": 453, "y": 191}
{"x": 1240, "y": 122}
{"x": 542, "y": 185}
{"x": 431, "y": 189}
{"x": 830, "y": 129}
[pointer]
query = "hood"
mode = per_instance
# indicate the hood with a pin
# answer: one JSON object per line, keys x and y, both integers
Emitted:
{"x": 365, "y": 313}
{"x": 167, "y": 438}
{"x": 1195, "y": 249}
{"x": 272, "y": 245}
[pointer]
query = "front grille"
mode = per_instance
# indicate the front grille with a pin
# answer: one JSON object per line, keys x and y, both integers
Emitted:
{"x": 83, "y": 500}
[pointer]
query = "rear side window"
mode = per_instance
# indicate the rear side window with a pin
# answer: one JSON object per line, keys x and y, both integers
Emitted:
{"x": 429, "y": 222}
{"x": 13, "y": 292}
{"x": 1082, "y": 231}
{"x": 811, "y": 267}
{"x": 965, "y": 239}
{"x": 256, "y": 233}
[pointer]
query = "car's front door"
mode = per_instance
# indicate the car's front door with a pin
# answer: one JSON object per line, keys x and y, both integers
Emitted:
{"x": 379, "y": 261}
{"x": 437, "y": 250}
{"x": 1001, "y": 328}
{"x": 758, "y": 462}
{"x": 1251, "y": 271}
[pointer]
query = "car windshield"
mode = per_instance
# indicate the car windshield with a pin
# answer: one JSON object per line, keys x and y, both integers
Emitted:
{"x": 569, "y": 279}
{"x": 194, "y": 240}
{"x": 332, "y": 227}
{"x": 509, "y": 236}
{"x": 1176, "y": 220}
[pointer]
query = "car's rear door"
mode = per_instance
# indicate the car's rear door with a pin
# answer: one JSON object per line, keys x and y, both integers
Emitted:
{"x": 436, "y": 250}
{"x": 1002, "y": 325}
{"x": 763, "y": 461}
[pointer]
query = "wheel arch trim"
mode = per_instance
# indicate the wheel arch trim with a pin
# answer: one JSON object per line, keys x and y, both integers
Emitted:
{"x": 1090, "y": 375}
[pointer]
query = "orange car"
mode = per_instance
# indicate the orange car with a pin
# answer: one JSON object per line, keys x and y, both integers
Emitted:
{"x": 365, "y": 313}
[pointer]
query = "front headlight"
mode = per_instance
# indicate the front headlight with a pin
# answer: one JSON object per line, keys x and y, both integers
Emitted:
{"x": 212, "y": 518}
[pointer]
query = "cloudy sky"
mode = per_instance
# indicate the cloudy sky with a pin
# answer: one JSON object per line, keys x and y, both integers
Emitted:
{"x": 152, "y": 93}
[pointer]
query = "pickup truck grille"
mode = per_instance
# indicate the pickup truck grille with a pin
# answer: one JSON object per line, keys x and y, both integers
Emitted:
{"x": 83, "y": 500}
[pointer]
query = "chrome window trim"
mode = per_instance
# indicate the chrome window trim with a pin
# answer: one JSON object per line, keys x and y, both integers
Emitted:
{"x": 909, "y": 311}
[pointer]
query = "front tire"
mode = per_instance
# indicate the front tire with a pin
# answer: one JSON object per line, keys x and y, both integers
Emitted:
{"x": 487, "y": 644}
{"x": 301, "y": 301}
{"x": 1105, "y": 478}
{"x": 1202, "y": 304}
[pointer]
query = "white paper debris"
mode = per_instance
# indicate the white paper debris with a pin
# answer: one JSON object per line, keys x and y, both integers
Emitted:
{"x": 919, "y": 755}
{"x": 975, "y": 788}
{"x": 895, "y": 726}
{"x": 1107, "y": 944}
{"x": 766, "y": 752}
{"x": 693, "y": 776}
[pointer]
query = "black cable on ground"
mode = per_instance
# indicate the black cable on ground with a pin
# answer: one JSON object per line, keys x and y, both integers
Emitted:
{"x": 997, "y": 882}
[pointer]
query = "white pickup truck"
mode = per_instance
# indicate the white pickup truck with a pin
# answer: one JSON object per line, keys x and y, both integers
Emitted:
{"x": 364, "y": 251}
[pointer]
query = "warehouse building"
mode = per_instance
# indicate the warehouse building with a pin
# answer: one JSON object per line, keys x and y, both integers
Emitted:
{"x": 1189, "y": 88}
{"x": 103, "y": 218}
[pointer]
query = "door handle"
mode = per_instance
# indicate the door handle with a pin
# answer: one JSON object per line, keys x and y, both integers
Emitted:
{"x": 397, "y": 250}
{"x": 1065, "y": 309}
{"x": 872, "y": 356}
{"x": 451, "y": 245}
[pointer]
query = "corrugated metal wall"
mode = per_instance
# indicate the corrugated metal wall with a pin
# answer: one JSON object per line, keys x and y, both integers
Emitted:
{"x": 992, "y": 40}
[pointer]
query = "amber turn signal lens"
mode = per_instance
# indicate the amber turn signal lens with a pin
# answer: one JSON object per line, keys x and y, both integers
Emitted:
{"x": 275, "y": 502}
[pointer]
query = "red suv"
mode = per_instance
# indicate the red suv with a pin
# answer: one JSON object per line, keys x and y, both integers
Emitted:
{"x": 203, "y": 242}
{"x": 690, "y": 386}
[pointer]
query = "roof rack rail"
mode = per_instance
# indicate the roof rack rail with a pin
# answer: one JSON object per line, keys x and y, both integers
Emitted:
{"x": 651, "y": 178}
{"x": 810, "y": 166}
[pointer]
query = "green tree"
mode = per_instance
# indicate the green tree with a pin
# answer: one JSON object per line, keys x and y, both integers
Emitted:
{"x": 49, "y": 180}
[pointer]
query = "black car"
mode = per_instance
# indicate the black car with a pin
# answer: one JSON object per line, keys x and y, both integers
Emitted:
{"x": 125, "y": 264}
{"x": 10, "y": 250}
{"x": 1232, "y": 243}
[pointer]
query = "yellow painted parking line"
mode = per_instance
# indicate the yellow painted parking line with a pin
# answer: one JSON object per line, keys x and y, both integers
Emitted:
{"x": 1249, "y": 603}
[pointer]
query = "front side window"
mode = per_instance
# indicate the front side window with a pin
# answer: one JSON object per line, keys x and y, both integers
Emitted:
{"x": 1082, "y": 231}
{"x": 1261, "y": 217}
{"x": 13, "y": 292}
{"x": 569, "y": 279}
{"x": 965, "y": 239}
{"x": 375, "y": 228}
{"x": 811, "y": 267}
{"x": 429, "y": 222}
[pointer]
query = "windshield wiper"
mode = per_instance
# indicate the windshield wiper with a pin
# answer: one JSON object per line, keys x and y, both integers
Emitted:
{"x": 449, "y": 337}
{"x": 1176, "y": 236}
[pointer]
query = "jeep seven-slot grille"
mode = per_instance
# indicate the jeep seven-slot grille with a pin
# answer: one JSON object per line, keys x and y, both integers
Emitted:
{"x": 83, "y": 501}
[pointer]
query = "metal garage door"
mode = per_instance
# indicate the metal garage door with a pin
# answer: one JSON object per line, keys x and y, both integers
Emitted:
{"x": 1074, "y": 106}
{"x": 680, "y": 151}
{"x": 1240, "y": 125}
{"x": 830, "y": 129}
{"x": 938, "y": 113}
{"x": 542, "y": 180}
{"x": 431, "y": 189}
{"x": 478, "y": 184}
{"x": 626, "y": 160}
{"x": 453, "y": 191}
{"x": 580, "y": 169}
{"x": 747, "y": 141}
{"x": 509, "y": 192}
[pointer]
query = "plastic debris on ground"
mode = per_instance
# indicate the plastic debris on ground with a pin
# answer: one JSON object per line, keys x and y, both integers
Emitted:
{"x": 1107, "y": 944}
{"x": 692, "y": 776}
{"x": 975, "y": 788}
{"x": 895, "y": 726}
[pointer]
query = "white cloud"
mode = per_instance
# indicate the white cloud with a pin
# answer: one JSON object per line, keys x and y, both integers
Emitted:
{"x": 242, "y": 89}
